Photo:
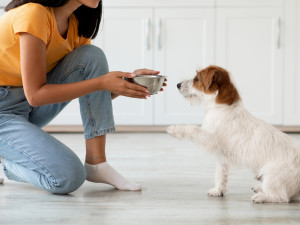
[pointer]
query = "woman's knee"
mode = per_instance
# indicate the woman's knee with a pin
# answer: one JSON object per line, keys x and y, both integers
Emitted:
{"x": 70, "y": 180}
{"x": 94, "y": 58}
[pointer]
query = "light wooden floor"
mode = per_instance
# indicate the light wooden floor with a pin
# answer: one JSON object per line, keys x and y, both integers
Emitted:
{"x": 175, "y": 176}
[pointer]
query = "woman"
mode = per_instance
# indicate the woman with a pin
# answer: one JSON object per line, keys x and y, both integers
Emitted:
{"x": 46, "y": 60}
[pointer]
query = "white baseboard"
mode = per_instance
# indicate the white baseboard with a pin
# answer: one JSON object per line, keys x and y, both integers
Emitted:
{"x": 133, "y": 129}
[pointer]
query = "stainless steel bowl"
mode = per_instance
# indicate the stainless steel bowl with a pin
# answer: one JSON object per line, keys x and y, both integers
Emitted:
{"x": 152, "y": 82}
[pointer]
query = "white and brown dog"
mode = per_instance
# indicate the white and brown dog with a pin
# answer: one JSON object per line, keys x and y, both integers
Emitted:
{"x": 238, "y": 138}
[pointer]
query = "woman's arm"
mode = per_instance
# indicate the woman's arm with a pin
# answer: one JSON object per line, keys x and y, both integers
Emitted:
{"x": 38, "y": 92}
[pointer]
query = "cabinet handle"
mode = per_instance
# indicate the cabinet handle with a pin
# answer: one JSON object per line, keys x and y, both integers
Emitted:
{"x": 278, "y": 32}
{"x": 148, "y": 33}
{"x": 159, "y": 34}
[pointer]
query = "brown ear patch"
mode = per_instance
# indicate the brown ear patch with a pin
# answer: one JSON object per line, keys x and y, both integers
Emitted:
{"x": 213, "y": 79}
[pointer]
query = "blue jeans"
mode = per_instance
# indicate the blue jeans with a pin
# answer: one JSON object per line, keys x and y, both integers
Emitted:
{"x": 31, "y": 155}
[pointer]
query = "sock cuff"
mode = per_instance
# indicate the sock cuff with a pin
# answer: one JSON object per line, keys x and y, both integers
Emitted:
{"x": 96, "y": 165}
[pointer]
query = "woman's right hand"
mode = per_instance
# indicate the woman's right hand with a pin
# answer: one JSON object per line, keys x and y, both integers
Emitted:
{"x": 114, "y": 82}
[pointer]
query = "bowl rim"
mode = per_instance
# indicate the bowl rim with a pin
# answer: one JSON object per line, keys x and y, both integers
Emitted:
{"x": 149, "y": 76}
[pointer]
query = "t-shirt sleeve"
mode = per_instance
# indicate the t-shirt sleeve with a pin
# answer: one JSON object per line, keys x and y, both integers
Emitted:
{"x": 33, "y": 19}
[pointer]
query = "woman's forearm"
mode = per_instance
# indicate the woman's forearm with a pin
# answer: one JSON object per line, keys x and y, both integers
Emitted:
{"x": 56, "y": 93}
{"x": 38, "y": 92}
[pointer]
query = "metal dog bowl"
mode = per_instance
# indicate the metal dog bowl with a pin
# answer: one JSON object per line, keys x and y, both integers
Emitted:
{"x": 152, "y": 82}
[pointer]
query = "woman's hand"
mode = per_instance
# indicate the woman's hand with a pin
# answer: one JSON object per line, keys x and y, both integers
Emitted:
{"x": 114, "y": 83}
{"x": 149, "y": 72}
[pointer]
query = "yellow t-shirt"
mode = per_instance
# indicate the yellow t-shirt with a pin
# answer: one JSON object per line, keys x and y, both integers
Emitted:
{"x": 40, "y": 22}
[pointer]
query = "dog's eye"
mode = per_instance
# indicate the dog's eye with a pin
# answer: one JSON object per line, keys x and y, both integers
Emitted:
{"x": 196, "y": 79}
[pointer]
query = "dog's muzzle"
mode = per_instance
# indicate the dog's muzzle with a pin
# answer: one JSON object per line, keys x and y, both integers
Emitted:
{"x": 179, "y": 85}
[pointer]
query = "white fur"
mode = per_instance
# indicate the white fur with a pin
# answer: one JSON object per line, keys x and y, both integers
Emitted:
{"x": 238, "y": 138}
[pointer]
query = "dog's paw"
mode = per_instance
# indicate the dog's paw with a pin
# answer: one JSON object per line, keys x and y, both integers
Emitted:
{"x": 259, "y": 197}
{"x": 262, "y": 197}
{"x": 215, "y": 192}
{"x": 177, "y": 131}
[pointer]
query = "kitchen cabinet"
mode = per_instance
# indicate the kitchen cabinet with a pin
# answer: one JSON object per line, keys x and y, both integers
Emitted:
{"x": 258, "y": 41}
{"x": 245, "y": 37}
{"x": 174, "y": 41}
{"x": 294, "y": 97}
{"x": 291, "y": 83}
{"x": 249, "y": 44}
{"x": 184, "y": 42}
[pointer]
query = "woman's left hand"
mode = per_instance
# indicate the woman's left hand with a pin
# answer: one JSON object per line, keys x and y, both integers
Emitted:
{"x": 150, "y": 72}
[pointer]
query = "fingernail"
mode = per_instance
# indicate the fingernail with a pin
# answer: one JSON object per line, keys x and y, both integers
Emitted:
{"x": 132, "y": 75}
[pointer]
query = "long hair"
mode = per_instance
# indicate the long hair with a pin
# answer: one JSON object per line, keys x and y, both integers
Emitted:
{"x": 89, "y": 19}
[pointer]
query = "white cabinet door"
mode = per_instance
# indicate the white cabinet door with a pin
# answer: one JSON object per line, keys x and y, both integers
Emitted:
{"x": 249, "y": 45}
{"x": 292, "y": 64}
{"x": 296, "y": 84}
{"x": 126, "y": 39}
{"x": 184, "y": 42}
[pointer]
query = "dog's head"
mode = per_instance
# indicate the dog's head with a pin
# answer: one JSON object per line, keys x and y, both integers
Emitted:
{"x": 212, "y": 82}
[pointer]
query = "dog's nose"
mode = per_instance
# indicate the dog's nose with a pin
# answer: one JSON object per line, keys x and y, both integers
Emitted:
{"x": 179, "y": 85}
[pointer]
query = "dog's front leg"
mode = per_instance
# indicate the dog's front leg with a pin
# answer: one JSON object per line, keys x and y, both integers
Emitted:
{"x": 220, "y": 181}
{"x": 182, "y": 131}
{"x": 196, "y": 134}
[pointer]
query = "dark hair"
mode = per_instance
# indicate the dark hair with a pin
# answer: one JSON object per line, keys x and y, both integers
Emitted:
{"x": 88, "y": 18}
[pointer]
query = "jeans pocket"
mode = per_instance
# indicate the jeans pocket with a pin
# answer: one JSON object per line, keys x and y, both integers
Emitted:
{"x": 3, "y": 92}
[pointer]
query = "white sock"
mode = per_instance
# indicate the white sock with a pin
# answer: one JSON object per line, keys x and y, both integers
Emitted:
{"x": 104, "y": 173}
{"x": 1, "y": 180}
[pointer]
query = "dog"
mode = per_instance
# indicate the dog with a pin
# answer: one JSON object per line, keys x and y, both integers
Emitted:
{"x": 238, "y": 138}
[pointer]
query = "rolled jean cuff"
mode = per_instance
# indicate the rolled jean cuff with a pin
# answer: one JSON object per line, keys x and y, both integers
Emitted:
{"x": 8, "y": 174}
{"x": 98, "y": 133}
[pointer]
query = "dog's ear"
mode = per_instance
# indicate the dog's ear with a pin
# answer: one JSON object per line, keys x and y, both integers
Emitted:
{"x": 208, "y": 80}
{"x": 218, "y": 79}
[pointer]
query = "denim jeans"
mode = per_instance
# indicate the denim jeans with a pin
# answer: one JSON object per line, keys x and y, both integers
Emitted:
{"x": 31, "y": 155}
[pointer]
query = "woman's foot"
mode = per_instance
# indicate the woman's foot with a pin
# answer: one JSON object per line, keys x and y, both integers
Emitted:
{"x": 104, "y": 173}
